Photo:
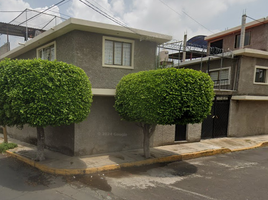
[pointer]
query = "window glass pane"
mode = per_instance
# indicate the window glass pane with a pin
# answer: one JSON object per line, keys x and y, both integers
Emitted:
{"x": 118, "y": 53}
{"x": 260, "y": 75}
{"x": 52, "y": 53}
{"x": 126, "y": 54}
{"x": 246, "y": 42}
{"x": 47, "y": 53}
{"x": 108, "y": 57}
{"x": 214, "y": 76}
{"x": 40, "y": 54}
{"x": 247, "y": 38}
{"x": 224, "y": 77}
{"x": 237, "y": 41}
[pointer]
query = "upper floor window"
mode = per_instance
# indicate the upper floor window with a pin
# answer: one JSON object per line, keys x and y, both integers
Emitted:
{"x": 47, "y": 52}
{"x": 220, "y": 76}
{"x": 260, "y": 76}
{"x": 118, "y": 53}
{"x": 247, "y": 40}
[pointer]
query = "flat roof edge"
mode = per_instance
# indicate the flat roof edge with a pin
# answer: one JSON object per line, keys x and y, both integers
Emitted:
{"x": 90, "y": 26}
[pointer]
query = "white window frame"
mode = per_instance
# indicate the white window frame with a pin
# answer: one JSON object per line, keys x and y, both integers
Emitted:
{"x": 118, "y": 40}
{"x": 47, "y": 45}
{"x": 266, "y": 75}
{"x": 229, "y": 74}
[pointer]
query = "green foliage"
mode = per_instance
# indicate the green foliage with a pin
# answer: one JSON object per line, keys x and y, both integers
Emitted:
{"x": 41, "y": 93}
{"x": 165, "y": 96}
{"x": 6, "y": 146}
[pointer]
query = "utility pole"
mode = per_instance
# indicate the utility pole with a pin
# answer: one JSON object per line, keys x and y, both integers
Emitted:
{"x": 243, "y": 31}
{"x": 184, "y": 48}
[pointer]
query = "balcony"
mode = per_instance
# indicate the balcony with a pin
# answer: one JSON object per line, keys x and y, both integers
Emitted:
{"x": 223, "y": 84}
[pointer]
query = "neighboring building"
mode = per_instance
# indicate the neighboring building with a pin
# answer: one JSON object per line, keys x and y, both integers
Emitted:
{"x": 240, "y": 78}
{"x": 106, "y": 53}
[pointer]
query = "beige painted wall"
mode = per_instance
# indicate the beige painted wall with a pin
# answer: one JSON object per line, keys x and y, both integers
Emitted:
{"x": 104, "y": 131}
{"x": 248, "y": 118}
{"x": 258, "y": 35}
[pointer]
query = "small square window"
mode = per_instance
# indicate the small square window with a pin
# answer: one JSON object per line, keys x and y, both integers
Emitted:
{"x": 246, "y": 42}
{"x": 47, "y": 52}
{"x": 118, "y": 53}
{"x": 260, "y": 76}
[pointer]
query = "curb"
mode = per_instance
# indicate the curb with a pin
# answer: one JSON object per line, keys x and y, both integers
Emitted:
{"x": 93, "y": 170}
{"x": 262, "y": 144}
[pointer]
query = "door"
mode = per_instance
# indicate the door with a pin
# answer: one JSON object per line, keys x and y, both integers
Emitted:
{"x": 180, "y": 132}
{"x": 216, "y": 124}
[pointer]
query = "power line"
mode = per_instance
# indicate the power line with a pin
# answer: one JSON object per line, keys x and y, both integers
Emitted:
{"x": 186, "y": 15}
{"x": 254, "y": 19}
{"x": 105, "y": 14}
{"x": 101, "y": 6}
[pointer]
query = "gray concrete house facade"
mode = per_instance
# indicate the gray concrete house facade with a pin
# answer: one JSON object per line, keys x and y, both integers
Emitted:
{"x": 240, "y": 81}
{"x": 106, "y": 53}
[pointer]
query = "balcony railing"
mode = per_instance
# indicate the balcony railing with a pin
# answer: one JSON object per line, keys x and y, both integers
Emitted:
{"x": 223, "y": 84}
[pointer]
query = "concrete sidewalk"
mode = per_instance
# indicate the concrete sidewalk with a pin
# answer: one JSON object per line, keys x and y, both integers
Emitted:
{"x": 57, "y": 163}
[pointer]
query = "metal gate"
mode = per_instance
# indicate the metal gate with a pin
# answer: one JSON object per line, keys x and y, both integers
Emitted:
{"x": 216, "y": 124}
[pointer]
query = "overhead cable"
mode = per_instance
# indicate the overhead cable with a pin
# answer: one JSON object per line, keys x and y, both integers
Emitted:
{"x": 186, "y": 15}
{"x": 105, "y": 14}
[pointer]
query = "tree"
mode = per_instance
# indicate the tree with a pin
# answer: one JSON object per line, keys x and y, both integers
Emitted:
{"x": 164, "y": 96}
{"x": 43, "y": 93}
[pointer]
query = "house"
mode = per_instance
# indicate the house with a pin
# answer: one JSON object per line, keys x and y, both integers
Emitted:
{"x": 240, "y": 76}
{"x": 106, "y": 53}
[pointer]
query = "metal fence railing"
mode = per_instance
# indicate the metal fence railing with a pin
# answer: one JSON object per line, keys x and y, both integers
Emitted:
{"x": 222, "y": 84}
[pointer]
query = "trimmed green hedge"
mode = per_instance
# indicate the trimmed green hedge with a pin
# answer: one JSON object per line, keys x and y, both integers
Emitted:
{"x": 41, "y": 93}
{"x": 165, "y": 96}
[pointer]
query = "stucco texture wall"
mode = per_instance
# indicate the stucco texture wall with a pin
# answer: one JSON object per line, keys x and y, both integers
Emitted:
{"x": 104, "y": 131}
{"x": 87, "y": 54}
{"x": 247, "y": 118}
{"x": 28, "y": 55}
{"x": 59, "y": 139}
{"x": 258, "y": 35}
{"x": 246, "y": 85}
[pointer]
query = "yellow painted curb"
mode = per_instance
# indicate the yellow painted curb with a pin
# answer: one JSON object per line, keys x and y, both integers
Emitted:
{"x": 205, "y": 153}
{"x": 263, "y": 144}
{"x": 93, "y": 170}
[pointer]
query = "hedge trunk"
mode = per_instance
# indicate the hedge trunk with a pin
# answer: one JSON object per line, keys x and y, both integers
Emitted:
{"x": 148, "y": 131}
{"x": 40, "y": 144}
{"x": 5, "y": 134}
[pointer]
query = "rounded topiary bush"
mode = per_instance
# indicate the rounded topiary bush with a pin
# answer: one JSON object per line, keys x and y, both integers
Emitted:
{"x": 42, "y": 93}
{"x": 165, "y": 96}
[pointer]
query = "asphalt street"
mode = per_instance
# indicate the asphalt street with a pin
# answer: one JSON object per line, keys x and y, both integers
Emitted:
{"x": 240, "y": 175}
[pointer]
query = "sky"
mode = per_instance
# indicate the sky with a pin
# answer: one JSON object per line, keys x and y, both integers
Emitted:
{"x": 171, "y": 17}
